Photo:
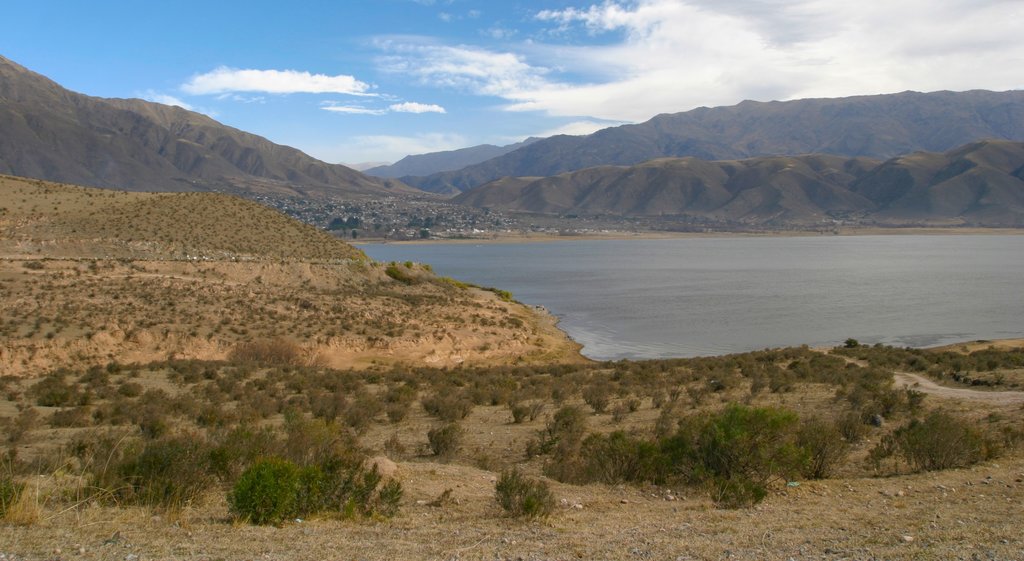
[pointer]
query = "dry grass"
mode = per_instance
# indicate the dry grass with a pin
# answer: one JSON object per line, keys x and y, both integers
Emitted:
{"x": 55, "y": 220}
{"x": 94, "y": 285}
{"x": 88, "y": 276}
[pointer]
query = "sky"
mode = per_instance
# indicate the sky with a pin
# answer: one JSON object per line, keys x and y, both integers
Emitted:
{"x": 372, "y": 81}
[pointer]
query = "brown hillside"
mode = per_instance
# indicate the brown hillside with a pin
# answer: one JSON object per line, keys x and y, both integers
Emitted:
{"x": 89, "y": 276}
{"x": 51, "y": 133}
{"x": 980, "y": 184}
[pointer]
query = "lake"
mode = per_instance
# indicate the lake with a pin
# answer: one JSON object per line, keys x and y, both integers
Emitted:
{"x": 706, "y": 296}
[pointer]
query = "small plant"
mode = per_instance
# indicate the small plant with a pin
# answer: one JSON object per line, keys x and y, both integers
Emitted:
{"x": 523, "y": 497}
{"x": 9, "y": 494}
{"x": 446, "y": 440}
{"x": 399, "y": 273}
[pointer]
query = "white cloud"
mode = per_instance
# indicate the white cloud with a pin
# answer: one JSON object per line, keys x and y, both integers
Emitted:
{"x": 387, "y": 147}
{"x": 404, "y": 107}
{"x": 413, "y": 107}
{"x": 151, "y": 95}
{"x": 464, "y": 67}
{"x": 660, "y": 56}
{"x": 227, "y": 80}
{"x": 352, "y": 110}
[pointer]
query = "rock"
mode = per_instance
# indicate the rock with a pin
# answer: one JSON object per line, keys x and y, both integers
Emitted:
{"x": 624, "y": 501}
{"x": 384, "y": 465}
{"x": 907, "y": 539}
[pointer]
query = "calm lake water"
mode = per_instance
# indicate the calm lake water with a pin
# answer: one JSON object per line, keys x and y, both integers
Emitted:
{"x": 706, "y": 296}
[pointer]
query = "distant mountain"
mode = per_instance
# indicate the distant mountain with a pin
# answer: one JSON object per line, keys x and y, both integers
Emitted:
{"x": 363, "y": 166}
{"x": 878, "y": 126}
{"x": 426, "y": 164}
{"x": 978, "y": 184}
{"x": 51, "y": 133}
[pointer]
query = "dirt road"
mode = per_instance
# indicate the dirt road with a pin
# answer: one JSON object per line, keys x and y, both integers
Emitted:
{"x": 922, "y": 384}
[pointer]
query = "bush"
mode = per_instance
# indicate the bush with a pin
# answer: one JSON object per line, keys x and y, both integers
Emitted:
{"x": 268, "y": 352}
{"x": 71, "y": 417}
{"x": 448, "y": 407}
{"x": 741, "y": 449}
{"x": 523, "y": 497}
{"x": 400, "y": 274}
{"x": 274, "y": 490}
{"x": 446, "y": 440}
{"x": 618, "y": 457}
{"x": 267, "y": 492}
{"x": 825, "y": 446}
{"x": 597, "y": 396}
{"x": 168, "y": 473}
{"x": 53, "y": 391}
{"x": 941, "y": 441}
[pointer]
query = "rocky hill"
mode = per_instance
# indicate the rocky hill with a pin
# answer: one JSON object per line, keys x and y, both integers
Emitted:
{"x": 877, "y": 126}
{"x": 978, "y": 184}
{"x": 51, "y": 133}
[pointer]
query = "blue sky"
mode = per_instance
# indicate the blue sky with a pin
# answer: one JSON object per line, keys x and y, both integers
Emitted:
{"x": 360, "y": 81}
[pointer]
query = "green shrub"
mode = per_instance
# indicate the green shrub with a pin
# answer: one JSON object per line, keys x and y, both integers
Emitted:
{"x": 400, "y": 274}
{"x": 523, "y": 497}
{"x": 941, "y": 441}
{"x": 446, "y": 440}
{"x": 740, "y": 450}
{"x": 267, "y": 492}
{"x": 274, "y": 490}
{"x": 618, "y": 458}
{"x": 825, "y": 446}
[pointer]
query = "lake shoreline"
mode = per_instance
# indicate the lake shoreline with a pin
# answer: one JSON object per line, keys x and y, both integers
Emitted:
{"x": 511, "y": 238}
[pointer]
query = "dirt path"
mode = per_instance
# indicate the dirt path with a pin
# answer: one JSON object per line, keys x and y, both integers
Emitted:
{"x": 922, "y": 384}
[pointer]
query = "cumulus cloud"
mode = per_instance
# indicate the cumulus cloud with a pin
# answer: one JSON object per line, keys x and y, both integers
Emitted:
{"x": 158, "y": 97}
{"x": 413, "y": 107}
{"x": 657, "y": 56}
{"x": 227, "y": 80}
{"x": 463, "y": 67}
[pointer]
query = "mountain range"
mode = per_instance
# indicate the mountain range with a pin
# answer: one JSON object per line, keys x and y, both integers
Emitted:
{"x": 877, "y": 126}
{"x": 978, "y": 184}
{"x": 449, "y": 160}
{"x": 48, "y": 132}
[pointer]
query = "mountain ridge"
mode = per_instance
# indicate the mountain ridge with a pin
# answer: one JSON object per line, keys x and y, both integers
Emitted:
{"x": 981, "y": 183}
{"x": 875, "y": 126}
{"x": 55, "y": 134}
